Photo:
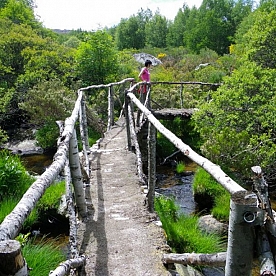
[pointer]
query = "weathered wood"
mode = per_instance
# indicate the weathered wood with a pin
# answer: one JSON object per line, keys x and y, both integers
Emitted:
{"x": 64, "y": 268}
{"x": 229, "y": 184}
{"x": 127, "y": 122}
{"x": 151, "y": 166}
{"x": 107, "y": 85}
{"x": 13, "y": 222}
{"x": 138, "y": 154}
{"x": 172, "y": 113}
{"x": 11, "y": 259}
{"x": 84, "y": 136}
{"x": 76, "y": 175}
{"x": 267, "y": 264}
{"x": 110, "y": 109}
{"x": 240, "y": 246}
{"x": 71, "y": 213}
{"x": 216, "y": 259}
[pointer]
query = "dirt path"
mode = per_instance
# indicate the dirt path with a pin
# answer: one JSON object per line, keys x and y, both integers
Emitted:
{"x": 120, "y": 237}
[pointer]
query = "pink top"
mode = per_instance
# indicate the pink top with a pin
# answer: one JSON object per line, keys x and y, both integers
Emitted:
{"x": 145, "y": 74}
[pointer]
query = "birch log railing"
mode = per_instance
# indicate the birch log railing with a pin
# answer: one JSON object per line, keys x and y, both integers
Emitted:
{"x": 247, "y": 211}
{"x": 66, "y": 159}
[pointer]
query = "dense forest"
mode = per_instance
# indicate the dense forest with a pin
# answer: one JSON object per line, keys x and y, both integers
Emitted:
{"x": 40, "y": 71}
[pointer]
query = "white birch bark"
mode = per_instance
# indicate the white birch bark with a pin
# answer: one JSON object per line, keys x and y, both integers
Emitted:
{"x": 230, "y": 185}
{"x": 72, "y": 215}
{"x": 195, "y": 259}
{"x": 64, "y": 268}
{"x": 151, "y": 165}
{"x": 76, "y": 175}
{"x": 136, "y": 145}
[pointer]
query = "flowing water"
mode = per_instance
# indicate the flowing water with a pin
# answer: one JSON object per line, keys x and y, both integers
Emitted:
{"x": 179, "y": 186}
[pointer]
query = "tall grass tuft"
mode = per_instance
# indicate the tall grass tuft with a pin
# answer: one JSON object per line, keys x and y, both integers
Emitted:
{"x": 205, "y": 184}
{"x": 42, "y": 257}
{"x": 182, "y": 231}
{"x": 14, "y": 178}
{"x": 52, "y": 196}
{"x": 8, "y": 204}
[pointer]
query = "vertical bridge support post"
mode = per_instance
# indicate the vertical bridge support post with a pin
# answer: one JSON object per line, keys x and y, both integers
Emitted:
{"x": 151, "y": 165}
{"x": 243, "y": 212}
{"x": 11, "y": 259}
{"x": 110, "y": 108}
{"x": 127, "y": 103}
{"x": 76, "y": 174}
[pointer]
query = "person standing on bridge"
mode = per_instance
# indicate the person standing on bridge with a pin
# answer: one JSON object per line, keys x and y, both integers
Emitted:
{"x": 144, "y": 74}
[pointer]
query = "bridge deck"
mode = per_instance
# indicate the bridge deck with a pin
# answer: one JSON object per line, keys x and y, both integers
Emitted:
{"x": 120, "y": 236}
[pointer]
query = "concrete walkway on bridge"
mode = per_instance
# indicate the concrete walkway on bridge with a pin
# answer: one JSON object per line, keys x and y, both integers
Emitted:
{"x": 120, "y": 237}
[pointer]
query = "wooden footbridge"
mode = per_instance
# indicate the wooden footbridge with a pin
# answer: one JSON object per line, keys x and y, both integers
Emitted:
{"x": 114, "y": 230}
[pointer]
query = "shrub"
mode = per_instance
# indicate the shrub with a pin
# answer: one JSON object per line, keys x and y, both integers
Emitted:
{"x": 14, "y": 179}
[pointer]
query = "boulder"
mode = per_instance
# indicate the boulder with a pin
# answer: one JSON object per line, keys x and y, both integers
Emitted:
{"x": 210, "y": 225}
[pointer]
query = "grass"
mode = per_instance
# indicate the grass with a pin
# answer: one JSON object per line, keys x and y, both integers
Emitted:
{"x": 42, "y": 257}
{"x": 206, "y": 185}
{"x": 182, "y": 231}
{"x": 52, "y": 196}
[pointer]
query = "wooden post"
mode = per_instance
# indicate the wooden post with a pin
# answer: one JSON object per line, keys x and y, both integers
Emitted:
{"x": 11, "y": 259}
{"x": 267, "y": 264}
{"x": 84, "y": 136}
{"x": 181, "y": 96}
{"x": 110, "y": 108}
{"x": 83, "y": 125}
{"x": 151, "y": 165}
{"x": 71, "y": 213}
{"x": 137, "y": 148}
{"x": 127, "y": 121}
{"x": 243, "y": 209}
{"x": 77, "y": 179}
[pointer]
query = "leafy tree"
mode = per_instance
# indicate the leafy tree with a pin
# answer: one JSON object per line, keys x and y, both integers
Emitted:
{"x": 96, "y": 59}
{"x": 156, "y": 31}
{"x": 19, "y": 12}
{"x": 130, "y": 33}
{"x": 238, "y": 125}
{"x": 175, "y": 36}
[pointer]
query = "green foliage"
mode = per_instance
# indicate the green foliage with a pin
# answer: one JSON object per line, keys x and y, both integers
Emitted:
{"x": 96, "y": 59}
{"x": 14, "y": 179}
{"x": 47, "y": 135}
{"x": 238, "y": 125}
{"x": 19, "y": 13}
{"x": 52, "y": 196}
{"x": 180, "y": 167}
{"x": 182, "y": 231}
{"x": 184, "y": 130}
{"x": 48, "y": 102}
{"x": 156, "y": 31}
{"x": 42, "y": 257}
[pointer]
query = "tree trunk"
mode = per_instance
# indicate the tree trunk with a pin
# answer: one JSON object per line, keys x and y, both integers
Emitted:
{"x": 216, "y": 259}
